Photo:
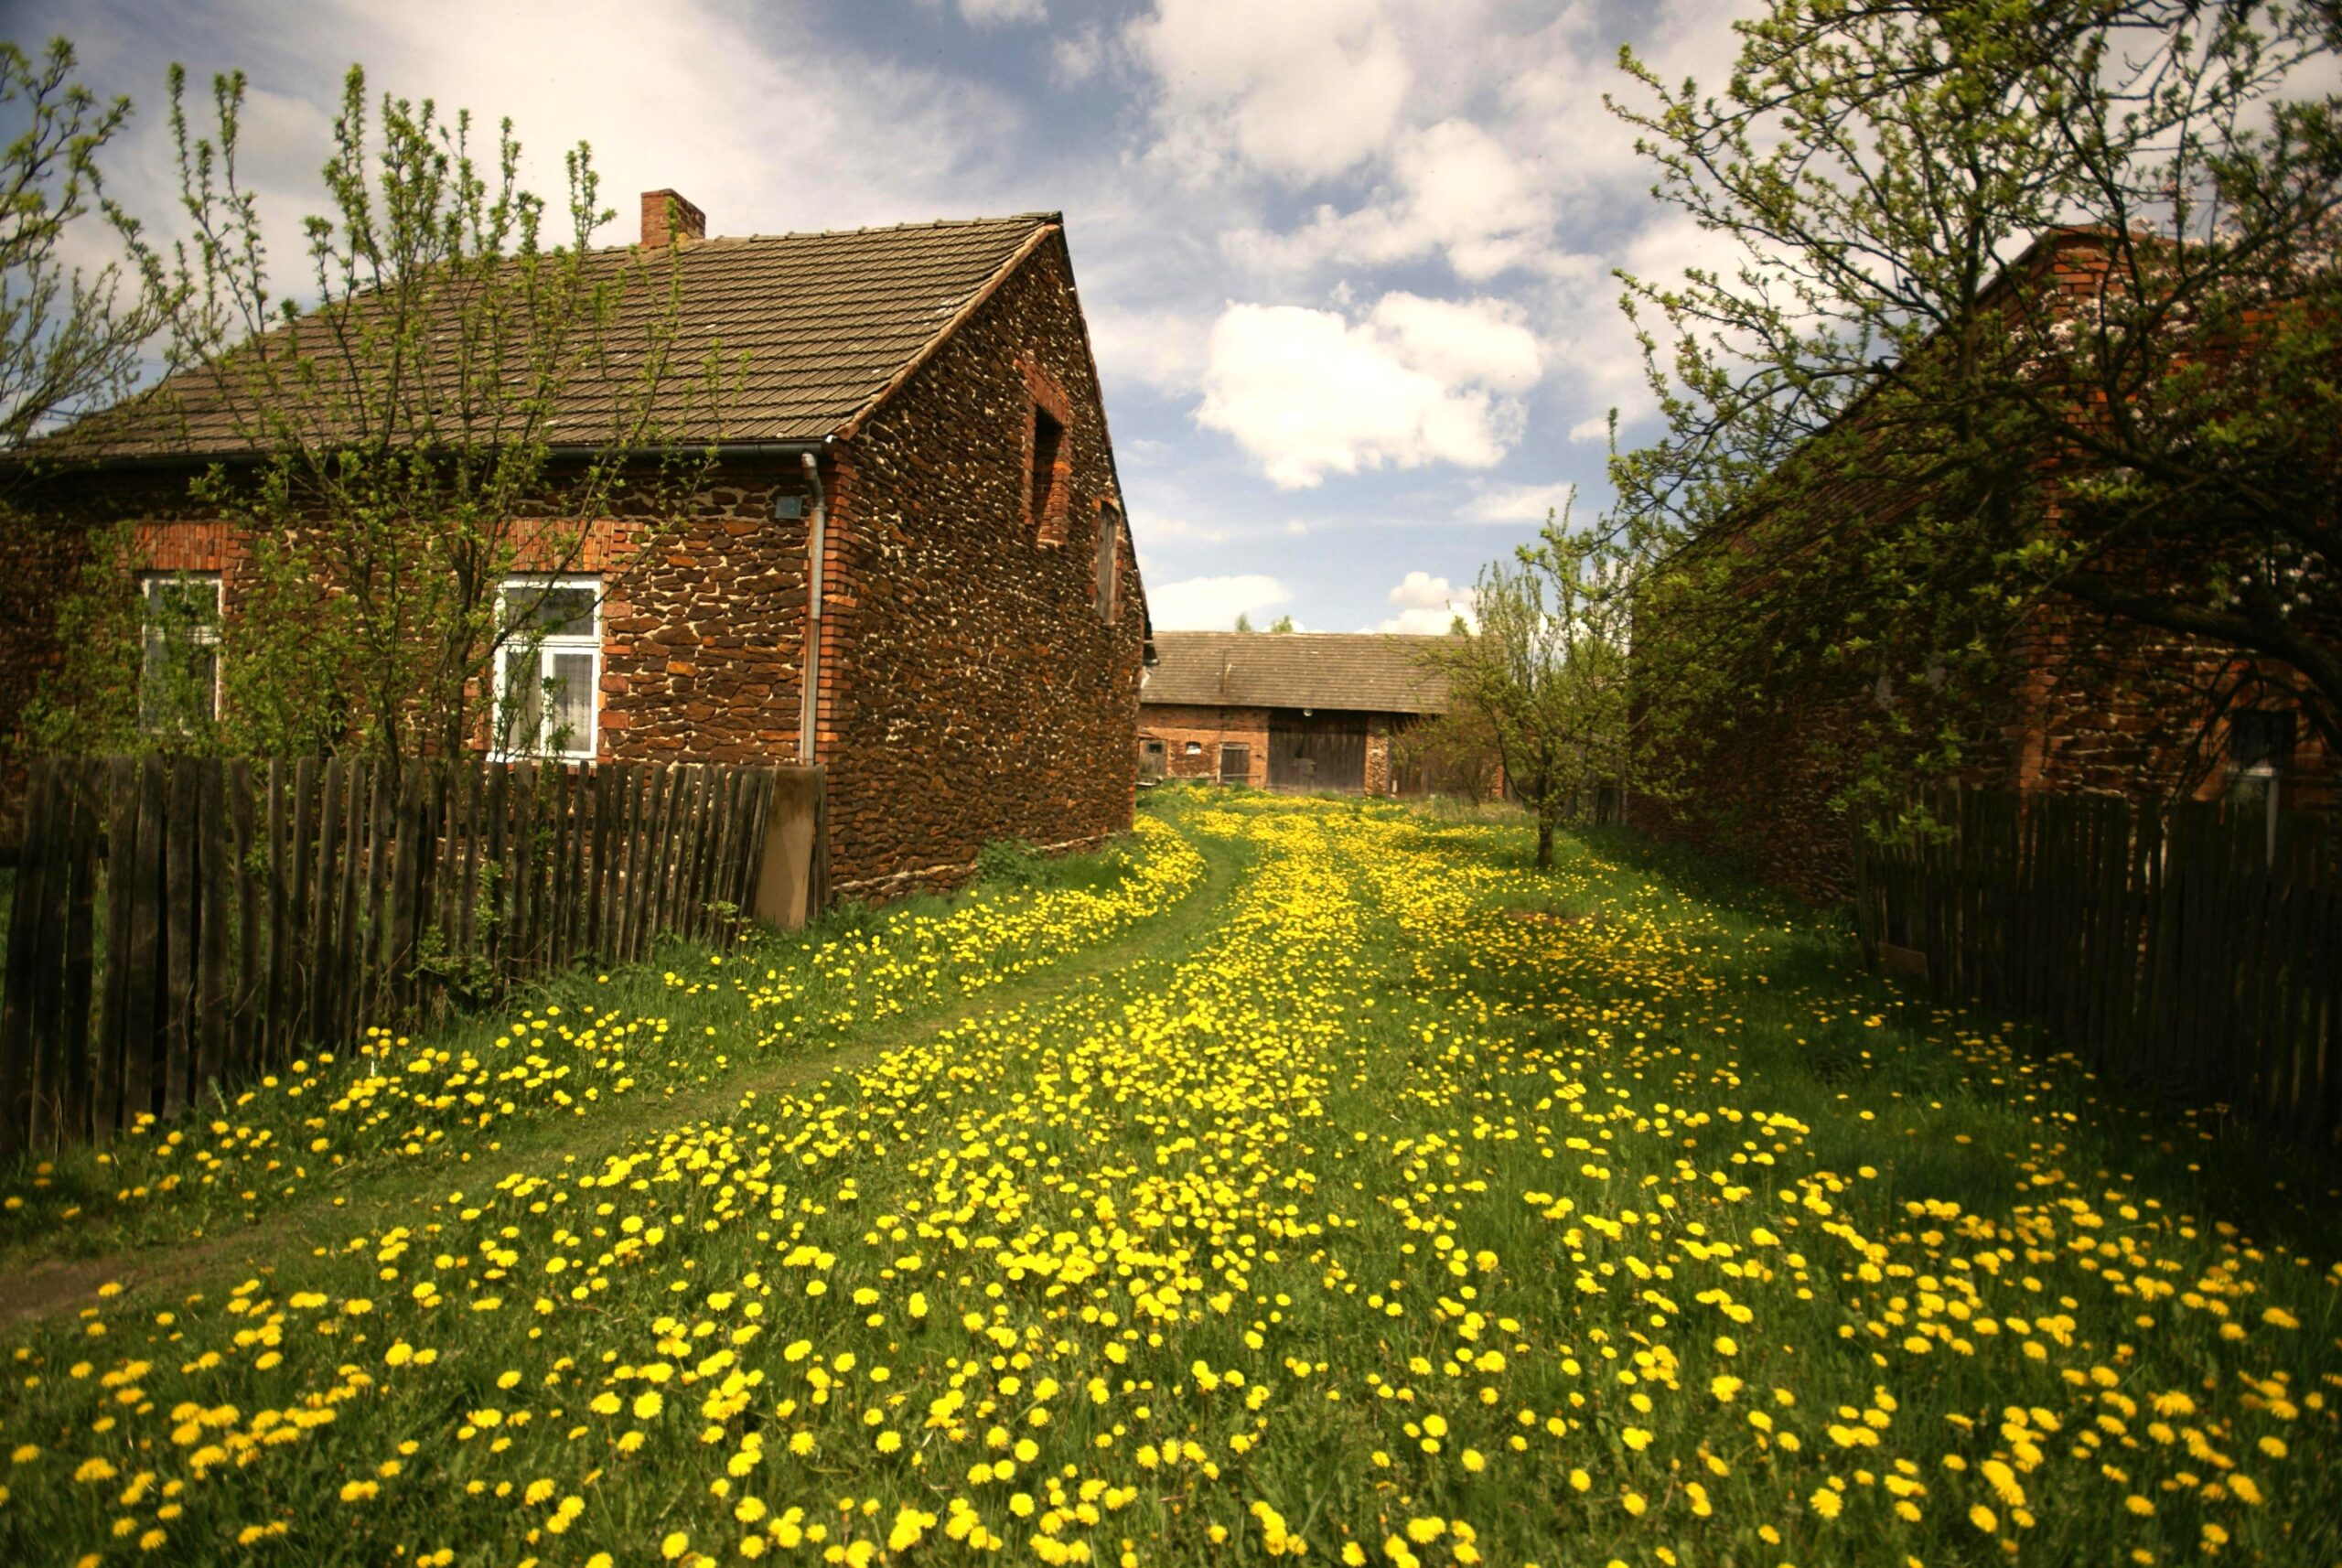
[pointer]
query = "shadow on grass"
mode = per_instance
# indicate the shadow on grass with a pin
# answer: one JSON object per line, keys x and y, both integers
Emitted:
{"x": 1940, "y": 1100}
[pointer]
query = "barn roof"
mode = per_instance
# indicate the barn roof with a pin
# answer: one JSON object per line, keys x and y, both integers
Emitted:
{"x": 829, "y": 323}
{"x": 1338, "y": 671}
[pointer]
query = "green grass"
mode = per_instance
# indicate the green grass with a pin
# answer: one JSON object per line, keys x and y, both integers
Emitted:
{"x": 1342, "y": 1207}
{"x": 576, "y": 1047}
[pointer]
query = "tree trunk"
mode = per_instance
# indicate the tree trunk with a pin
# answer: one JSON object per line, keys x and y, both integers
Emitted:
{"x": 1545, "y": 846}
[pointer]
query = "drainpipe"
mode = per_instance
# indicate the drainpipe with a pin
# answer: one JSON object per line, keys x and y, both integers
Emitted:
{"x": 816, "y": 529}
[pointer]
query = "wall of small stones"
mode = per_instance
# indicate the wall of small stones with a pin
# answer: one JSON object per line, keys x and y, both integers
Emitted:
{"x": 2094, "y": 708}
{"x": 703, "y": 627}
{"x": 971, "y": 688}
{"x": 701, "y": 615}
{"x": 1377, "y": 755}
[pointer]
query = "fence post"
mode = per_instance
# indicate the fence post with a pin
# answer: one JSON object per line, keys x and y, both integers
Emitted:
{"x": 790, "y": 888}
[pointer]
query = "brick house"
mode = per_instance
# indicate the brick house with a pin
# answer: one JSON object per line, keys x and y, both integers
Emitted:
{"x": 909, "y": 563}
{"x": 1300, "y": 711}
{"x": 2087, "y": 704}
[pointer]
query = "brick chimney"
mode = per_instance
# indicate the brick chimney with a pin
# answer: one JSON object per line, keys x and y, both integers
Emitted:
{"x": 691, "y": 223}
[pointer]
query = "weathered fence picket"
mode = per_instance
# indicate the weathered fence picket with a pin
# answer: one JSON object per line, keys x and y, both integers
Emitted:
{"x": 2192, "y": 951}
{"x": 181, "y": 923}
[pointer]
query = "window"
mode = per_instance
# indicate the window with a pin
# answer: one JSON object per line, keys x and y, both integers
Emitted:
{"x": 1235, "y": 764}
{"x": 2261, "y": 750}
{"x": 2261, "y": 742}
{"x": 178, "y": 674}
{"x": 549, "y": 670}
{"x": 1195, "y": 748}
{"x": 1110, "y": 533}
{"x": 1046, "y": 497}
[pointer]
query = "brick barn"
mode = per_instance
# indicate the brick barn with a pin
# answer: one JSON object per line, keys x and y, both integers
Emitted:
{"x": 909, "y": 563}
{"x": 1300, "y": 711}
{"x": 2088, "y": 705}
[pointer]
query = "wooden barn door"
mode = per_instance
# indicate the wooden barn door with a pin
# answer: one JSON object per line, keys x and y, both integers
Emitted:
{"x": 1318, "y": 751}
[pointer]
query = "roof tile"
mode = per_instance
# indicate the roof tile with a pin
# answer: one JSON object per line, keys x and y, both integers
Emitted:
{"x": 825, "y": 321}
{"x": 1338, "y": 671}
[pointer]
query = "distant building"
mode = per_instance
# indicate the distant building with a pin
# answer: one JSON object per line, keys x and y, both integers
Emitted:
{"x": 1300, "y": 711}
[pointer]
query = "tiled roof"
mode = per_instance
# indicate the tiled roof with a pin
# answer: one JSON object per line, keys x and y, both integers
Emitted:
{"x": 826, "y": 323}
{"x": 1340, "y": 671}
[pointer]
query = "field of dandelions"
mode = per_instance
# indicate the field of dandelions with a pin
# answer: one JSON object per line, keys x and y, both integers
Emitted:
{"x": 1304, "y": 1179}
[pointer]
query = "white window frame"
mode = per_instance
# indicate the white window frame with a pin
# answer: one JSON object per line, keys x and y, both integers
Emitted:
{"x": 583, "y": 748}
{"x": 150, "y": 634}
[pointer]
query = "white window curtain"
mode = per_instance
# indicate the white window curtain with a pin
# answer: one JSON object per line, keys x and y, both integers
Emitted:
{"x": 549, "y": 671}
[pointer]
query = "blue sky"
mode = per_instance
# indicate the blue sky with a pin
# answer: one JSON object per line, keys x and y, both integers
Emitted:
{"x": 1346, "y": 264}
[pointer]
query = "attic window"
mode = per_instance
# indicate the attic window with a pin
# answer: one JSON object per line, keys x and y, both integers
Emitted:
{"x": 1049, "y": 456}
{"x": 1046, "y": 498}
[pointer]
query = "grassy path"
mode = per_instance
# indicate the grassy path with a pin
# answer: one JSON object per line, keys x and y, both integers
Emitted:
{"x": 62, "y": 1267}
{"x": 1381, "y": 1202}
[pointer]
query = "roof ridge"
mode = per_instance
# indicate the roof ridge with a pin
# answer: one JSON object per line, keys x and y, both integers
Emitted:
{"x": 1035, "y": 219}
{"x": 830, "y": 326}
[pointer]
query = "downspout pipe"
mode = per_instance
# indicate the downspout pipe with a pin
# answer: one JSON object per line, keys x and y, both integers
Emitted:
{"x": 816, "y": 533}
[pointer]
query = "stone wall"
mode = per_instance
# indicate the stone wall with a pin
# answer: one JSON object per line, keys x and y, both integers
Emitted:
{"x": 703, "y": 627}
{"x": 972, "y": 688}
{"x": 2090, "y": 707}
{"x": 700, "y": 617}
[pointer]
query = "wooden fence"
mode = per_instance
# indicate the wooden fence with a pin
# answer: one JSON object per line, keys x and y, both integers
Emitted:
{"x": 183, "y": 922}
{"x": 2193, "y": 952}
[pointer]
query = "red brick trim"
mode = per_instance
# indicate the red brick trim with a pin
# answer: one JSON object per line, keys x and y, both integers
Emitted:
{"x": 1112, "y": 610}
{"x": 840, "y": 601}
{"x": 1047, "y": 396}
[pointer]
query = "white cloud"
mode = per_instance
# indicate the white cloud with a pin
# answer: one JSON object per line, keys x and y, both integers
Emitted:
{"x": 1455, "y": 189}
{"x": 1309, "y": 393}
{"x": 1595, "y": 428}
{"x": 1422, "y": 591}
{"x": 1424, "y": 621}
{"x": 1301, "y": 89}
{"x": 1160, "y": 349}
{"x": 1212, "y": 604}
{"x": 1479, "y": 340}
{"x": 1427, "y": 606}
{"x": 991, "y": 13}
{"x": 1155, "y": 527}
{"x": 1518, "y": 503}
{"x": 898, "y": 141}
{"x": 1078, "y": 56}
